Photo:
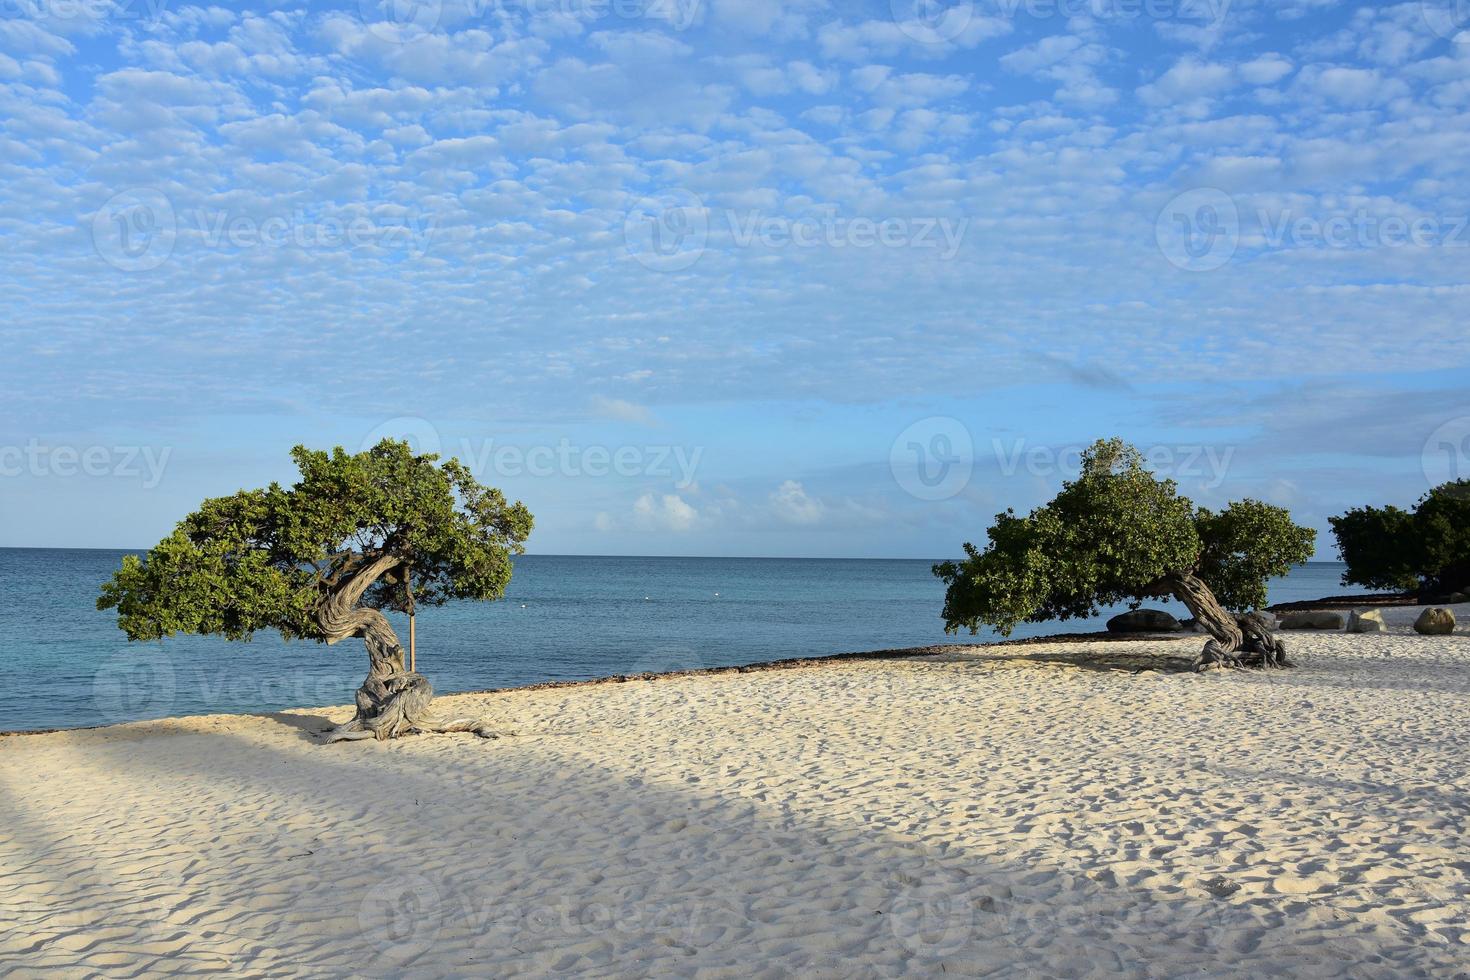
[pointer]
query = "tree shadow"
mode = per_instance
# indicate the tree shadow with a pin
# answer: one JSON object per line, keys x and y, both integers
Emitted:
{"x": 440, "y": 855}
{"x": 1102, "y": 656}
{"x": 310, "y": 726}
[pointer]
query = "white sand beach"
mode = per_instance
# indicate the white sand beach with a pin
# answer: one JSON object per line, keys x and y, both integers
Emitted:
{"x": 1040, "y": 810}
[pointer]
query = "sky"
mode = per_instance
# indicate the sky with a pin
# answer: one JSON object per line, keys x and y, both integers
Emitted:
{"x": 732, "y": 277}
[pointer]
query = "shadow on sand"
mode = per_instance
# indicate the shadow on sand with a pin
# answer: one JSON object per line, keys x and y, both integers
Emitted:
{"x": 525, "y": 855}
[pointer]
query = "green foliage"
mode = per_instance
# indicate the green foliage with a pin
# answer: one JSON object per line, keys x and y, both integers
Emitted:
{"x": 1116, "y": 534}
{"x": 265, "y": 559}
{"x": 1244, "y": 545}
{"x": 1426, "y": 549}
{"x": 1377, "y": 545}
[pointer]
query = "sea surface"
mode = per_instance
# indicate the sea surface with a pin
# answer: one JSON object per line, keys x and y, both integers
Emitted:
{"x": 65, "y": 664}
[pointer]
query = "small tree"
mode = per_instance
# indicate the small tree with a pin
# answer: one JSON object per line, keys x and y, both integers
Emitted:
{"x": 358, "y": 534}
{"x": 1426, "y": 550}
{"x": 1118, "y": 534}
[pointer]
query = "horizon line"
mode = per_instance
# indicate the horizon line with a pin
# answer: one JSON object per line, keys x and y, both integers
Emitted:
{"x": 44, "y": 547}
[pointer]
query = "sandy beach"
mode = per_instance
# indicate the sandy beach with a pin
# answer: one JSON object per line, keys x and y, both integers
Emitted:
{"x": 1046, "y": 810}
{"x": 671, "y": 488}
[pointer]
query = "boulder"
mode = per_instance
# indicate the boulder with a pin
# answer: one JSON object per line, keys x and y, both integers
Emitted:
{"x": 1435, "y": 622}
{"x": 1312, "y": 619}
{"x": 1366, "y": 622}
{"x": 1265, "y": 619}
{"x": 1458, "y": 598}
{"x": 1261, "y": 617}
{"x": 1144, "y": 621}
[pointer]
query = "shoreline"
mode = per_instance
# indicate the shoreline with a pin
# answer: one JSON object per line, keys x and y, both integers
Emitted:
{"x": 766, "y": 613}
{"x": 1345, "y": 602}
{"x": 1334, "y": 603}
{"x": 788, "y": 663}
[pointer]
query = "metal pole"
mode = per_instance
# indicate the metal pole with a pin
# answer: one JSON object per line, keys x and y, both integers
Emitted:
{"x": 413, "y": 658}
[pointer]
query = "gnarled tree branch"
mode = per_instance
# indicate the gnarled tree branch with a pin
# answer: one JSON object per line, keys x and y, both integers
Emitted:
{"x": 393, "y": 700}
{"x": 1230, "y": 636}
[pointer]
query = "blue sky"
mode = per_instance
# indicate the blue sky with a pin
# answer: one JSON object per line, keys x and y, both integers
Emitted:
{"x": 720, "y": 277}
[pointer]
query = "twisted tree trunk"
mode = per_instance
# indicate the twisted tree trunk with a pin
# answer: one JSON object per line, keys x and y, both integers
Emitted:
{"x": 1246, "y": 641}
{"x": 392, "y": 701}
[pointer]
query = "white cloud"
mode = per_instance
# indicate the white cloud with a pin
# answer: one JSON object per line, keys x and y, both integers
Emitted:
{"x": 1268, "y": 69}
{"x": 810, "y": 79}
{"x": 653, "y": 96}
{"x": 1188, "y": 80}
{"x": 666, "y": 512}
{"x": 1042, "y": 54}
{"x": 619, "y": 410}
{"x": 873, "y": 38}
{"x": 825, "y": 115}
{"x": 914, "y": 89}
{"x": 22, "y": 36}
{"x": 1350, "y": 86}
{"x": 1069, "y": 61}
{"x": 634, "y": 47}
{"x": 783, "y": 20}
{"x": 791, "y": 504}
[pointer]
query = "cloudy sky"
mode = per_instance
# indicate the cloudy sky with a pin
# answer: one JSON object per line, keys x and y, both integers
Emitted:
{"x": 747, "y": 277}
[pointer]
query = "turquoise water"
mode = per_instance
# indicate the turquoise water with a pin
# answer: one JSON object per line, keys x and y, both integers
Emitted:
{"x": 65, "y": 664}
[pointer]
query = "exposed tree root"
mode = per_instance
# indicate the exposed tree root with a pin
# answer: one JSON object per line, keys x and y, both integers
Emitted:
{"x": 392, "y": 701}
{"x": 1235, "y": 641}
{"x": 1259, "y": 648}
{"x": 398, "y": 704}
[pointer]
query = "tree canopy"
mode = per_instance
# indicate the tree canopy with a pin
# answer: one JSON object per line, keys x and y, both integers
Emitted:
{"x": 268, "y": 558}
{"x": 1117, "y": 534}
{"x": 1426, "y": 549}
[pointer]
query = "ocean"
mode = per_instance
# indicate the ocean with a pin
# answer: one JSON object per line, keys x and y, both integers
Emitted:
{"x": 65, "y": 664}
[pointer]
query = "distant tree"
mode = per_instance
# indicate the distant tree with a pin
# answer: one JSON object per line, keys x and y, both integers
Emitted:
{"x": 1425, "y": 550}
{"x": 357, "y": 534}
{"x": 1117, "y": 534}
